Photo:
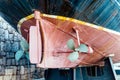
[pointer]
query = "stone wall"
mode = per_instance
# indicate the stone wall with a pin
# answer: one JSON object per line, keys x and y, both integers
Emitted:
{"x": 10, "y": 69}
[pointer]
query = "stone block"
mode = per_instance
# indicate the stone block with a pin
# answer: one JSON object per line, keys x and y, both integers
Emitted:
{"x": 2, "y": 31}
{"x": 24, "y": 77}
{"x": 2, "y": 53}
{"x": 16, "y": 38}
{"x": 2, "y": 38}
{"x": 32, "y": 68}
{"x": 18, "y": 77}
{"x": 2, "y": 44}
{"x": 10, "y": 74}
{"x": 13, "y": 77}
{"x": 10, "y": 29}
{"x": 1, "y": 61}
{"x": 12, "y": 42}
{"x": 11, "y": 37}
{"x": 11, "y": 55}
{"x": 4, "y": 61}
{"x": 15, "y": 47}
{"x": 9, "y": 62}
{"x": 4, "y": 25}
{"x": 6, "y": 35}
{"x": 22, "y": 70}
{"x": 7, "y": 46}
{"x": 0, "y": 24}
{"x": 19, "y": 36}
{"x": 26, "y": 70}
{"x": 2, "y": 70}
{"x": 9, "y": 71}
{"x": 13, "y": 62}
{"x": 16, "y": 62}
{"x": 9, "y": 77}
{"x": 7, "y": 54}
{"x": 14, "y": 70}
{"x": 1, "y": 77}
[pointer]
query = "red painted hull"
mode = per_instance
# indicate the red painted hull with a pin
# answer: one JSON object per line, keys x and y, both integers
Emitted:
{"x": 57, "y": 31}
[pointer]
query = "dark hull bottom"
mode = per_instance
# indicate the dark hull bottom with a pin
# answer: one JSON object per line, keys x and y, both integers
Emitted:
{"x": 82, "y": 73}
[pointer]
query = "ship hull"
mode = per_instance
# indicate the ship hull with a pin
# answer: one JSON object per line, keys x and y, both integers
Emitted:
{"x": 57, "y": 30}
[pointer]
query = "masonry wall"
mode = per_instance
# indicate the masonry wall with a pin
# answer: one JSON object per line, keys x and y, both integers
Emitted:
{"x": 10, "y": 69}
